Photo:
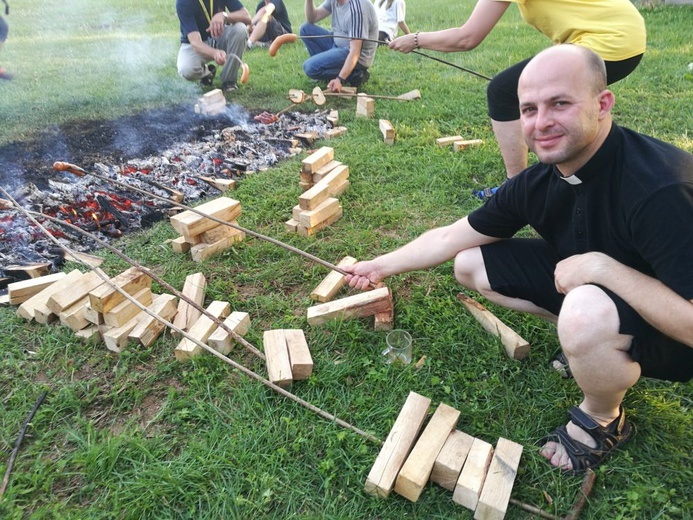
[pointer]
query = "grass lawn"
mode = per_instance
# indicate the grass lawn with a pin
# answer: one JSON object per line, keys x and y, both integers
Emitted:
{"x": 140, "y": 435}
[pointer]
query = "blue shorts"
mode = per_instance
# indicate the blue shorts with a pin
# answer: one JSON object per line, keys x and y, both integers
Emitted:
{"x": 523, "y": 268}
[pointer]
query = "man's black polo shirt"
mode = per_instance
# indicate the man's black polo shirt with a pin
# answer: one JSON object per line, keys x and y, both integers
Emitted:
{"x": 633, "y": 201}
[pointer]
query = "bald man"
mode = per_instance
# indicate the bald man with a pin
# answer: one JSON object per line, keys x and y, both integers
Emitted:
{"x": 614, "y": 210}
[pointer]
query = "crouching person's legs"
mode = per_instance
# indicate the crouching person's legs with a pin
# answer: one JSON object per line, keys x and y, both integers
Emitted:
{"x": 191, "y": 66}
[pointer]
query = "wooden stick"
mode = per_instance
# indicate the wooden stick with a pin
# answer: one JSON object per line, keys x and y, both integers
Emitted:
{"x": 76, "y": 170}
{"x": 17, "y": 444}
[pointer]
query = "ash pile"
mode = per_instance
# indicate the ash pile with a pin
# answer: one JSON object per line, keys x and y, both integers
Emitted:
{"x": 181, "y": 173}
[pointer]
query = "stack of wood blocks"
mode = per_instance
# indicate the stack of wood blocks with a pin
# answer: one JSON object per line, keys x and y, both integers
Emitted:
{"x": 287, "y": 355}
{"x": 377, "y": 303}
{"x": 458, "y": 142}
{"x": 94, "y": 309}
{"x": 365, "y": 106}
{"x": 203, "y": 328}
{"x": 322, "y": 180}
{"x": 205, "y": 237}
{"x": 480, "y": 478}
{"x": 211, "y": 104}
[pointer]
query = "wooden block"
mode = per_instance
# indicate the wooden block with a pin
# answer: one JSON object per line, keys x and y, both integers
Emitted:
{"x": 311, "y": 199}
{"x": 201, "y": 252}
{"x": 179, "y": 245}
{"x": 220, "y": 184}
{"x": 221, "y": 340}
{"x": 291, "y": 225}
{"x": 338, "y": 189}
{"x": 336, "y": 132}
{"x": 309, "y": 219}
{"x": 89, "y": 334}
{"x": 317, "y": 159}
{"x": 411, "y": 95}
{"x": 461, "y": 145}
{"x": 213, "y": 96}
{"x": 388, "y": 131}
{"x": 385, "y": 320}
{"x": 44, "y": 315}
{"x": 399, "y": 442}
{"x": 73, "y": 316}
{"x": 515, "y": 346}
{"x": 324, "y": 170}
{"x": 335, "y": 178}
{"x": 357, "y": 306}
{"x": 349, "y": 90}
{"x": 332, "y": 283}
{"x": 149, "y": 328}
{"x": 365, "y": 106}
{"x": 305, "y": 186}
{"x": 419, "y": 464}
{"x": 306, "y": 178}
{"x": 277, "y": 357}
{"x": 495, "y": 495}
{"x": 306, "y": 232}
{"x": 473, "y": 474}
{"x": 4, "y": 299}
{"x": 92, "y": 316}
{"x": 333, "y": 118}
{"x": 20, "y": 292}
{"x": 201, "y": 330}
{"x": 31, "y": 270}
{"x": 90, "y": 260}
{"x": 105, "y": 297}
{"x": 126, "y": 310}
{"x": 194, "y": 289}
{"x": 117, "y": 338}
{"x": 447, "y": 141}
{"x": 189, "y": 223}
{"x": 27, "y": 309}
{"x": 299, "y": 354}
{"x": 218, "y": 232}
{"x": 450, "y": 460}
{"x": 309, "y": 137}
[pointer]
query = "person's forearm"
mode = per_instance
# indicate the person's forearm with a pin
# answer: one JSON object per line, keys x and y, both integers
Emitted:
{"x": 241, "y": 15}
{"x": 203, "y": 50}
{"x": 655, "y": 302}
{"x": 448, "y": 40}
{"x": 403, "y": 27}
{"x": 310, "y": 12}
{"x": 350, "y": 63}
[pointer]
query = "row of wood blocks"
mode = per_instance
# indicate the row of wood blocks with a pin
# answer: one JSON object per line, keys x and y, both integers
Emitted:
{"x": 205, "y": 237}
{"x": 458, "y": 142}
{"x": 322, "y": 180}
{"x": 480, "y": 477}
{"x": 93, "y": 308}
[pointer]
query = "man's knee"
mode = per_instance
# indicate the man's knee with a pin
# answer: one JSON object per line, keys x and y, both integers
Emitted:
{"x": 190, "y": 71}
{"x": 469, "y": 270}
{"x": 588, "y": 319}
{"x": 236, "y": 32}
{"x": 311, "y": 70}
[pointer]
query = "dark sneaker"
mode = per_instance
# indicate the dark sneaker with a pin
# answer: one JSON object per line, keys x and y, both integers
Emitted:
{"x": 4, "y": 74}
{"x": 359, "y": 77}
{"x": 209, "y": 78}
{"x": 229, "y": 86}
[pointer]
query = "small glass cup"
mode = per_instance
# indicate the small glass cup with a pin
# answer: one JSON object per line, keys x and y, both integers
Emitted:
{"x": 399, "y": 347}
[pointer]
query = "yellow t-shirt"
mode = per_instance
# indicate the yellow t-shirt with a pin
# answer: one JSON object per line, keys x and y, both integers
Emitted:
{"x": 614, "y": 29}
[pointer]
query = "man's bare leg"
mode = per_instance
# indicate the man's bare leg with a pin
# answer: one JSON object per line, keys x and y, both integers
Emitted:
{"x": 588, "y": 332}
{"x": 512, "y": 145}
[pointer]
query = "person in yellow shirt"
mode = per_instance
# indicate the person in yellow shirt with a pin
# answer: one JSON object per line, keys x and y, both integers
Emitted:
{"x": 614, "y": 29}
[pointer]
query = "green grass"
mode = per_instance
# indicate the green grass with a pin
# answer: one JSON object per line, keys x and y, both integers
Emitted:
{"x": 139, "y": 435}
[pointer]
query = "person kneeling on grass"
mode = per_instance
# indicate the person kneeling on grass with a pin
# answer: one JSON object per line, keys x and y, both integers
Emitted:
{"x": 4, "y": 31}
{"x": 614, "y": 210}
{"x": 271, "y": 20}
{"x": 212, "y": 30}
{"x": 340, "y": 56}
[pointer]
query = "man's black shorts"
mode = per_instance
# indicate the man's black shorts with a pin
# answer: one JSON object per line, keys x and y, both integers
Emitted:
{"x": 524, "y": 268}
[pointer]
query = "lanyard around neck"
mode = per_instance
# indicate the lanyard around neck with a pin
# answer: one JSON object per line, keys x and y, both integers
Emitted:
{"x": 207, "y": 12}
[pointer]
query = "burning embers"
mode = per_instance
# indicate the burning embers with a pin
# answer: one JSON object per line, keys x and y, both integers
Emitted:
{"x": 180, "y": 173}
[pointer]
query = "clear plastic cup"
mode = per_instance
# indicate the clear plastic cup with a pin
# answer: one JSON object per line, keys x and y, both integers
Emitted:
{"x": 399, "y": 347}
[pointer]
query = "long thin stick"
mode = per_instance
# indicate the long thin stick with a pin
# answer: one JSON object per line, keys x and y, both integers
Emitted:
{"x": 479, "y": 75}
{"x": 17, "y": 444}
{"x": 204, "y": 346}
{"x": 76, "y": 170}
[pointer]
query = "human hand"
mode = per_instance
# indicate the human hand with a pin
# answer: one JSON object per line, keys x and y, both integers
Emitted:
{"x": 405, "y": 43}
{"x": 335, "y": 85}
{"x": 579, "y": 270}
{"x": 219, "y": 57}
{"x": 216, "y": 25}
{"x": 362, "y": 274}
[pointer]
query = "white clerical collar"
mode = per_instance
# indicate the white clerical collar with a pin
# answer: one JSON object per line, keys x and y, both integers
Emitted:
{"x": 573, "y": 179}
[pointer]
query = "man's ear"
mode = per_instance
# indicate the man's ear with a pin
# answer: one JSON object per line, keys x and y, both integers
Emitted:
{"x": 606, "y": 102}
